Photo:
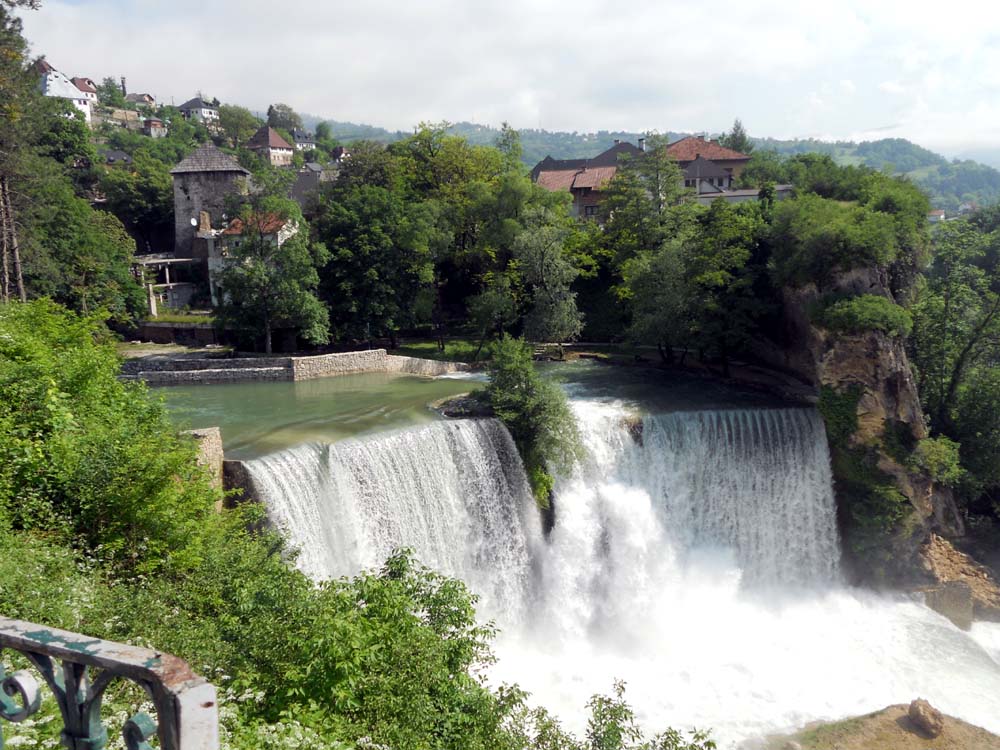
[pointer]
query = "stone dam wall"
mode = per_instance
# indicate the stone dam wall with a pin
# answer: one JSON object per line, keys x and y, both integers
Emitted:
{"x": 257, "y": 369}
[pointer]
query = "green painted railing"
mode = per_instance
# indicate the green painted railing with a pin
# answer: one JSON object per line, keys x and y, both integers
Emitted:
{"x": 78, "y": 670}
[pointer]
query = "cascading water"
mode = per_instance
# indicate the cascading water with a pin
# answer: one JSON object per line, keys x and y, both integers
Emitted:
{"x": 694, "y": 556}
{"x": 455, "y": 492}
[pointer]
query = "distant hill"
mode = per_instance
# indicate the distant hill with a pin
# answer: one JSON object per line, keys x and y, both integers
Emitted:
{"x": 949, "y": 183}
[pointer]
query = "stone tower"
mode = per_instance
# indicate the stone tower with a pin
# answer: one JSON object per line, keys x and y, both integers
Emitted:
{"x": 202, "y": 183}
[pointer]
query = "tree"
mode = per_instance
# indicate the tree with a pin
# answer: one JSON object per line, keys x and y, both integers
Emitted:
{"x": 237, "y": 123}
{"x": 494, "y": 309}
{"x": 956, "y": 319}
{"x": 737, "y": 139}
{"x": 535, "y": 412}
{"x": 284, "y": 117}
{"x": 381, "y": 267}
{"x": 548, "y": 275}
{"x": 141, "y": 195}
{"x": 109, "y": 93}
{"x": 270, "y": 278}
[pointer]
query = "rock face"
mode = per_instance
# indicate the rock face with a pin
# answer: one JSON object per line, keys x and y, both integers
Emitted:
{"x": 926, "y": 718}
{"x": 874, "y": 368}
{"x": 966, "y": 587}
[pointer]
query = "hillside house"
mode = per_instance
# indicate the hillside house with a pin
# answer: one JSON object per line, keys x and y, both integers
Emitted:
{"x": 88, "y": 88}
{"x": 154, "y": 127}
{"x": 146, "y": 100}
{"x": 583, "y": 178}
{"x": 199, "y": 110}
{"x": 708, "y": 169}
{"x": 269, "y": 228}
{"x": 53, "y": 83}
{"x": 304, "y": 140}
{"x": 268, "y": 144}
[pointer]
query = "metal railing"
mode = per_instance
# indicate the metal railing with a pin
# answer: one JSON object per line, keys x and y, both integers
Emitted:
{"x": 78, "y": 670}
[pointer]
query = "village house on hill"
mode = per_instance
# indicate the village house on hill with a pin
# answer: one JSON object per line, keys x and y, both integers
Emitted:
{"x": 199, "y": 110}
{"x": 58, "y": 85}
{"x": 269, "y": 144}
{"x": 304, "y": 140}
{"x": 147, "y": 100}
{"x": 708, "y": 168}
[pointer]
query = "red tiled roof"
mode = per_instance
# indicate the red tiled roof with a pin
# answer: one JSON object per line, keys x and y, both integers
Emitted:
{"x": 84, "y": 84}
{"x": 557, "y": 179}
{"x": 269, "y": 224}
{"x": 267, "y": 138}
{"x": 688, "y": 149}
{"x": 567, "y": 179}
{"x": 594, "y": 177}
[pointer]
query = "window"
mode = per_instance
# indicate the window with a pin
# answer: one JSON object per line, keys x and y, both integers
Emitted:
{"x": 590, "y": 210}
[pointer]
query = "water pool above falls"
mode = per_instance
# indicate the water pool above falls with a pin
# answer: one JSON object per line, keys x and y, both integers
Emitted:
{"x": 697, "y": 559}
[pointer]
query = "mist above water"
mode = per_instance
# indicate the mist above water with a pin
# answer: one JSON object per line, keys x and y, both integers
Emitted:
{"x": 695, "y": 558}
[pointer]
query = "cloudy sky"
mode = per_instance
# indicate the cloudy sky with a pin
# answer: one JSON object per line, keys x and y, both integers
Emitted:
{"x": 828, "y": 69}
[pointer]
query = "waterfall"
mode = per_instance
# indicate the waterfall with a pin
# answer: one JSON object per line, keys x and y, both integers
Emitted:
{"x": 455, "y": 492}
{"x": 694, "y": 555}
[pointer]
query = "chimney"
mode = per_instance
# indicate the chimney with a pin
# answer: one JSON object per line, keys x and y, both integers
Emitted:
{"x": 124, "y": 91}
{"x": 642, "y": 144}
{"x": 618, "y": 141}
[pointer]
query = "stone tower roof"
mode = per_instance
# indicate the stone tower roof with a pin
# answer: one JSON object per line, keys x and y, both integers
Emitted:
{"x": 208, "y": 158}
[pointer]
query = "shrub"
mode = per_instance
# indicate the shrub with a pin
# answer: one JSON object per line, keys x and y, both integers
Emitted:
{"x": 839, "y": 410}
{"x": 536, "y": 413}
{"x": 867, "y": 312}
{"x": 939, "y": 457}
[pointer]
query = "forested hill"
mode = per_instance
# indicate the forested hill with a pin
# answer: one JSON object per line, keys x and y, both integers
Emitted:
{"x": 949, "y": 183}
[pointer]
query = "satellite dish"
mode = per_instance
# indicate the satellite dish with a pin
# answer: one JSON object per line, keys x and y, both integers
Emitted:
{"x": 194, "y": 222}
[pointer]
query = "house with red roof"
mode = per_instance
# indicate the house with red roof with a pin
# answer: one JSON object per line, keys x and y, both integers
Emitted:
{"x": 269, "y": 144}
{"x": 584, "y": 179}
{"x": 709, "y": 169}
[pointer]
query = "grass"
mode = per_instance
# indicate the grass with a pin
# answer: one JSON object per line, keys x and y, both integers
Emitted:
{"x": 455, "y": 349}
{"x": 180, "y": 317}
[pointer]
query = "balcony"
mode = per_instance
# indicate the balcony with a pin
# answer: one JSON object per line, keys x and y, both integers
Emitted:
{"x": 77, "y": 670}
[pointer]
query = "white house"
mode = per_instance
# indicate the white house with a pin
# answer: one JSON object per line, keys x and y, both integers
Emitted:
{"x": 54, "y": 83}
{"x": 199, "y": 110}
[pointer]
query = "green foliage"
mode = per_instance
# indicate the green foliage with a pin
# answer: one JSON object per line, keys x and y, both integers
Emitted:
{"x": 939, "y": 457}
{"x": 74, "y": 254}
{"x": 814, "y": 237}
{"x": 977, "y": 428}
{"x": 737, "y": 139}
{"x": 536, "y": 413}
{"x": 141, "y": 194}
{"x": 84, "y": 452}
{"x": 269, "y": 279}
{"x": 238, "y": 124}
{"x": 109, "y": 93}
{"x": 284, "y": 117}
{"x": 866, "y": 312}
{"x": 839, "y": 410}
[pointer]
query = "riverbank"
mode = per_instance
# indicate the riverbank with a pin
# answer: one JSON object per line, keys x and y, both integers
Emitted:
{"x": 888, "y": 729}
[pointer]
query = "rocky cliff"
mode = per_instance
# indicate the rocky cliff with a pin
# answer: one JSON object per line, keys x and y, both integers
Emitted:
{"x": 890, "y": 510}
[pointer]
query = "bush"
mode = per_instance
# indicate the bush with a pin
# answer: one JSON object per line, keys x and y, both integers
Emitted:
{"x": 867, "y": 312}
{"x": 939, "y": 457}
{"x": 536, "y": 413}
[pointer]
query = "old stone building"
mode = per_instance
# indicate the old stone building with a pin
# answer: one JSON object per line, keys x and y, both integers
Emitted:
{"x": 202, "y": 184}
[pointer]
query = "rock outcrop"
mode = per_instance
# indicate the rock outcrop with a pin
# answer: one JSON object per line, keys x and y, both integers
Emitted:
{"x": 926, "y": 718}
{"x": 870, "y": 373}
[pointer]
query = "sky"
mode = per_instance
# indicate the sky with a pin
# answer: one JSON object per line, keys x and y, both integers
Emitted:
{"x": 843, "y": 69}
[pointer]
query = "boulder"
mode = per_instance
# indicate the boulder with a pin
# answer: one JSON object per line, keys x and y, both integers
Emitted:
{"x": 926, "y": 718}
{"x": 953, "y": 599}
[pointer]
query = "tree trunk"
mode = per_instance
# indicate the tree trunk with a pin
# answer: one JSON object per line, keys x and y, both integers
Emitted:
{"x": 12, "y": 242}
{"x": 5, "y": 250}
{"x": 267, "y": 335}
{"x": 482, "y": 342}
{"x": 393, "y": 338}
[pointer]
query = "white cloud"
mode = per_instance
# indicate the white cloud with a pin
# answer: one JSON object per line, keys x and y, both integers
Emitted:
{"x": 785, "y": 70}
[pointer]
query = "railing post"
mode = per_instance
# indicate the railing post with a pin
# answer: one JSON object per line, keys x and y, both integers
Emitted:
{"x": 78, "y": 670}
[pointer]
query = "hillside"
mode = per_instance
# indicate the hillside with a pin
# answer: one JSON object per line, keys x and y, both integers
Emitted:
{"x": 949, "y": 183}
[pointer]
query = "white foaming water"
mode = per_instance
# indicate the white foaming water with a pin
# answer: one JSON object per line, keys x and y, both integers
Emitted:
{"x": 696, "y": 558}
{"x": 453, "y": 491}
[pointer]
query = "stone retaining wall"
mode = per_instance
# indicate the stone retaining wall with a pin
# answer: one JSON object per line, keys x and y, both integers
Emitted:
{"x": 232, "y": 370}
